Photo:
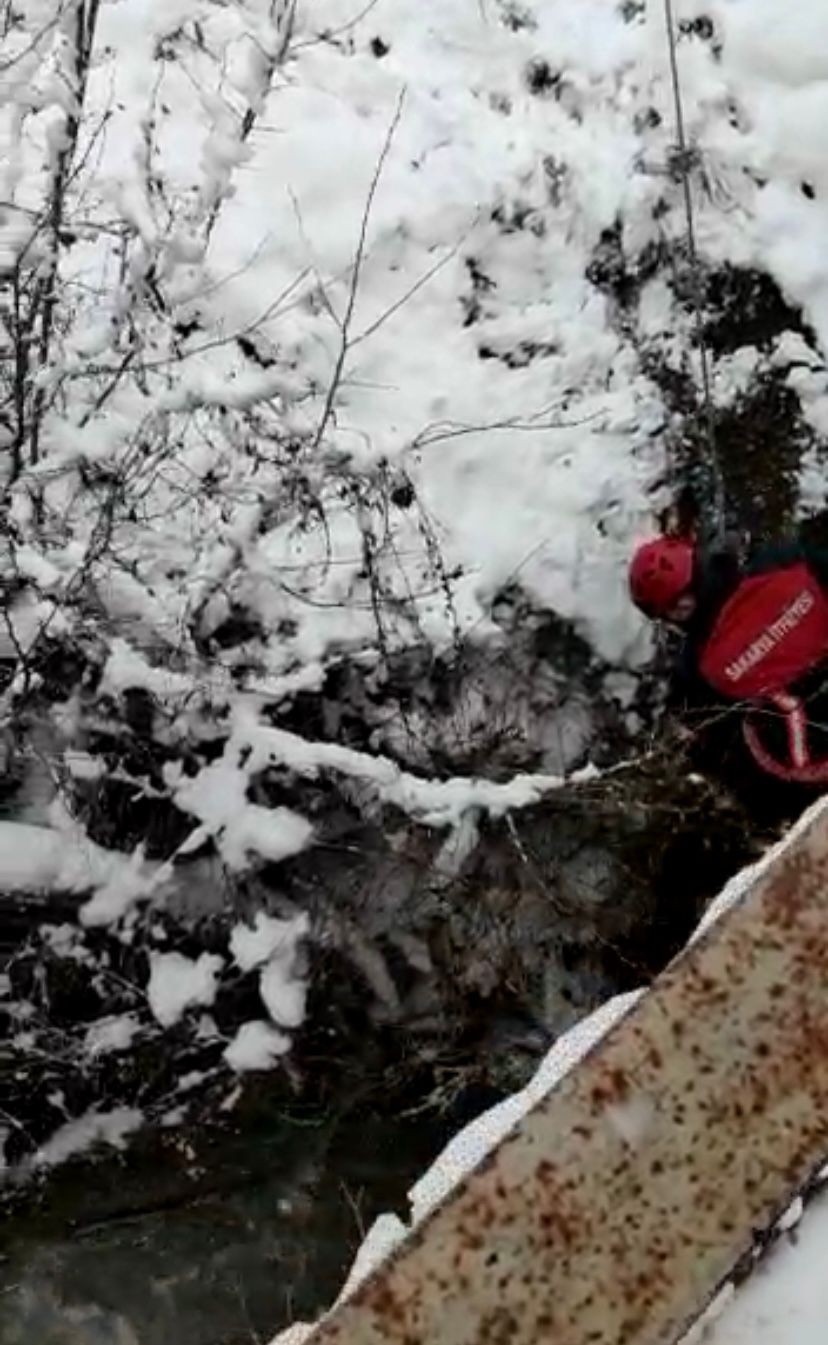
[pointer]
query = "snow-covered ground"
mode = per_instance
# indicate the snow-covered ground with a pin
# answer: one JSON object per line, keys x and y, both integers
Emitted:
{"x": 333, "y": 316}
{"x": 481, "y": 361}
{"x": 336, "y": 344}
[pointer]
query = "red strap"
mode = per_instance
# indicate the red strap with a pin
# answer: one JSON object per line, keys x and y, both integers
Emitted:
{"x": 796, "y": 723}
{"x": 801, "y": 769}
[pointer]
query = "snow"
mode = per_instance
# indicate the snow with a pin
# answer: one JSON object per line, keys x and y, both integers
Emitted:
{"x": 266, "y": 938}
{"x": 285, "y": 232}
{"x": 109, "y": 1035}
{"x": 218, "y": 794}
{"x": 273, "y": 945}
{"x": 786, "y": 1297}
{"x": 283, "y": 995}
{"x": 124, "y": 880}
{"x": 483, "y": 364}
{"x": 127, "y": 667}
{"x": 31, "y": 858}
{"x": 62, "y": 858}
{"x": 78, "y": 1136}
{"x": 256, "y": 1046}
{"x": 178, "y": 983}
{"x": 218, "y": 797}
{"x": 792, "y": 1215}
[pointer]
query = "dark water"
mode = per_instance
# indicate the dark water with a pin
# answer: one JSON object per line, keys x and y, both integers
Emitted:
{"x": 257, "y": 1232}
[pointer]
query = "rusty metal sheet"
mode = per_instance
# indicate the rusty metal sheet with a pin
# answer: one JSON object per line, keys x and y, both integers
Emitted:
{"x": 621, "y": 1203}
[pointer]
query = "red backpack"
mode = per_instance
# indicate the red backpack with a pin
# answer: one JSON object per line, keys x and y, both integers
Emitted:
{"x": 769, "y": 633}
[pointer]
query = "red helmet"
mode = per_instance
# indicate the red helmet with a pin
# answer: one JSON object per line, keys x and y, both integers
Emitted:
{"x": 660, "y": 572}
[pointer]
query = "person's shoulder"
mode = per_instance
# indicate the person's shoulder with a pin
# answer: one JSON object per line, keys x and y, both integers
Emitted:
{"x": 766, "y": 556}
{"x": 782, "y": 555}
{"x": 719, "y": 569}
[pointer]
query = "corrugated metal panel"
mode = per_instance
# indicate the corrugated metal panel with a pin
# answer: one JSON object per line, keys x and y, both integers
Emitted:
{"x": 626, "y": 1197}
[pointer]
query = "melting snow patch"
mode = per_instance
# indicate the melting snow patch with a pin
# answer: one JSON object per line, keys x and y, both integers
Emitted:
{"x": 109, "y": 1035}
{"x": 30, "y": 857}
{"x": 256, "y": 1046}
{"x": 268, "y": 937}
{"x": 283, "y": 994}
{"x": 176, "y": 983}
{"x": 95, "y": 1127}
{"x": 217, "y": 796}
{"x": 273, "y": 945}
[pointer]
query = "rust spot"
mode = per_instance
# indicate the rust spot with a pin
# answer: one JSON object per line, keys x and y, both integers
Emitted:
{"x": 557, "y": 1227}
{"x": 378, "y": 1297}
{"x": 497, "y": 1328}
{"x": 611, "y": 1089}
{"x": 572, "y": 1248}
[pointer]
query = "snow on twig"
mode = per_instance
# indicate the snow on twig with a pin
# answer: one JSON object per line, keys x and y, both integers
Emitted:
{"x": 437, "y": 803}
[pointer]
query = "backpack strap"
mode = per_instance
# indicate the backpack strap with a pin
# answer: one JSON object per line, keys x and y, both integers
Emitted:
{"x": 800, "y": 768}
{"x": 796, "y": 723}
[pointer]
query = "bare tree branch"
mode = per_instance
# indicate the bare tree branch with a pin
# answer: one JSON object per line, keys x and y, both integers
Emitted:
{"x": 346, "y": 27}
{"x": 409, "y": 293}
{"x": 86, "y": 21}
{"x": 35, "y": 42}
{"x": 359, "y": 258}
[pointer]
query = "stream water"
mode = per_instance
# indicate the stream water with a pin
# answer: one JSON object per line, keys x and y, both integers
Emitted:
{"x": 257, "y": 1231}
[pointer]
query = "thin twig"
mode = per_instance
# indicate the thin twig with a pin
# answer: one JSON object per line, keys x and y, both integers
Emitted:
{"x": 440, "y": 432}
{"x": 409, "y": 293}
{"x": 35, "y": 42}
{"x": 338, "y": 32}
{"x": 353, "y": 1203}
{"x": 344, "y": 345}
{"x": 719, "y": 498}
{"x": 167, "y": 360}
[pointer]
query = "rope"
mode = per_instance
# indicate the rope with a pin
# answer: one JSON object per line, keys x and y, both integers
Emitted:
{"x": 717, "y": 479}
